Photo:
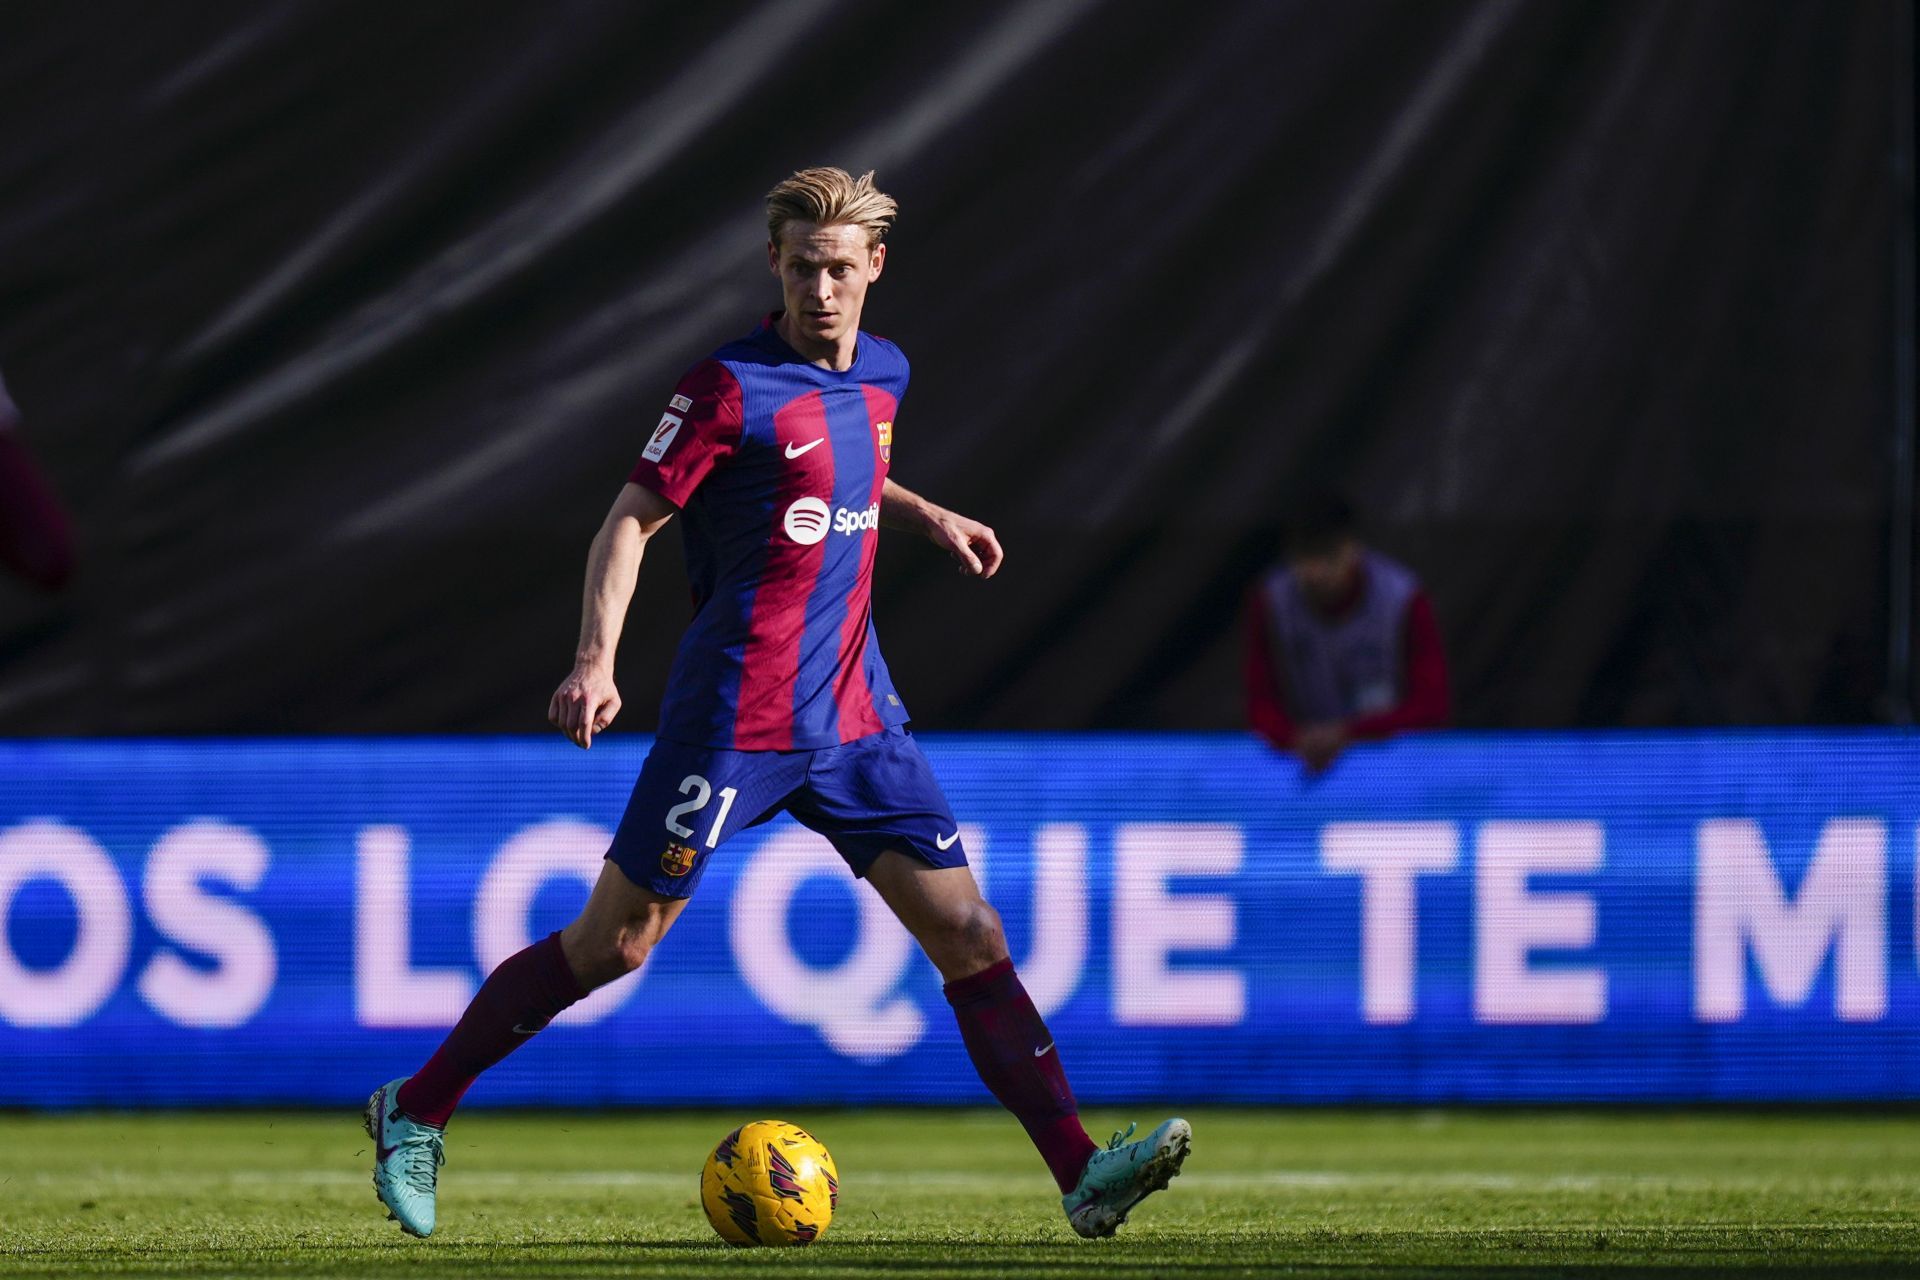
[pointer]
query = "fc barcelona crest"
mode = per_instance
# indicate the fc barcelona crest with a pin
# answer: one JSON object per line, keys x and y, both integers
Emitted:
{"x": 677, "y": 860}
{"x": 885, "y": 431}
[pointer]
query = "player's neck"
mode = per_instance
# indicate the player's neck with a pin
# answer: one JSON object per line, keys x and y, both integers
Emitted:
{"x": 837, "y": 356}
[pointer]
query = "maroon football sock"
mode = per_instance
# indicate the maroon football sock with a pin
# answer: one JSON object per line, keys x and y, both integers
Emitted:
{"x": 517, "y": 999}
{"x": 1015, "y": 1056}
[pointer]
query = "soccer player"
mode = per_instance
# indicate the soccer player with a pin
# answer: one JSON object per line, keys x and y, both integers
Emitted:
{"x": 775, "y": 451}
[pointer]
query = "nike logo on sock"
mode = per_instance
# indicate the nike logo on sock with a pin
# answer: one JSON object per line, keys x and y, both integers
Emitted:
{"x": 944, "y": 843}
{"x": 522, "y": 1030}
{"x": 794, "y": 451}
{"x": 1041, "y": 1053}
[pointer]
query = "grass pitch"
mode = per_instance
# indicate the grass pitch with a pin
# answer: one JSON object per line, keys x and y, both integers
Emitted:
{"x": 936, "y": 1194}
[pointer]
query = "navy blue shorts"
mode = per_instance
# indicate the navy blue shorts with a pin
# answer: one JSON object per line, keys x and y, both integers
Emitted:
{"x": 866, "y": 796}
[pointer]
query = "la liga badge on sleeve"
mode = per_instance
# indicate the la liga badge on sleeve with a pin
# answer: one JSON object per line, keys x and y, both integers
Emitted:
{"x": 884, "y": 430}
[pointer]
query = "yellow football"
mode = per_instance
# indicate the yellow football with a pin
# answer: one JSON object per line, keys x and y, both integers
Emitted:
{"x": 770, "y": 1183}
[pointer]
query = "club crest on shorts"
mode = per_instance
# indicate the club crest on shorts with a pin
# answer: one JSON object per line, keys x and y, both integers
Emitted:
{"x": 884, "y": 430}
{"x": 677, "y": 860}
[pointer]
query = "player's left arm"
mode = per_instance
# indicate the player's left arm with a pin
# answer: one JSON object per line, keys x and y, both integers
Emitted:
{"x": 968, "y": 541}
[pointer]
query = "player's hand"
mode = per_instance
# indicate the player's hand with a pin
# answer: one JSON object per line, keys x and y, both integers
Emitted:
{"x": 1320, "y": 745}
{"x": 967, "y": 541}
{"x": 585, "y": 703}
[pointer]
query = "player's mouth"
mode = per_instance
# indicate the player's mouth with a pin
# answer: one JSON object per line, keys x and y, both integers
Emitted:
{"x": 822, "y": 317}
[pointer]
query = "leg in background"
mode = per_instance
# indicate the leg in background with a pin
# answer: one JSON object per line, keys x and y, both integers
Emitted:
{"x": 1004, "y": 1034}
{"x": 36, "y": 536}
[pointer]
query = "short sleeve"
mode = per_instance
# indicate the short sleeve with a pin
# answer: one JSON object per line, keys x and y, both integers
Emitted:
{"x": 699, "y": 430}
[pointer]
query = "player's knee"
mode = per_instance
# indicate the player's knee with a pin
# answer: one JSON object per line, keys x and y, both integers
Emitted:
{"x": 975, "y": 931}
{"x": 598, "y": 956}
{"x": 631, "y": 947}
{"x": 616, "y": 953}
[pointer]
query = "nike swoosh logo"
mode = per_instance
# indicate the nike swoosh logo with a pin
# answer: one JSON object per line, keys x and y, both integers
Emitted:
{"x": 794, "y": 451}
{"x": 527, "y": 1031}
{"x": 944, "y": 843}
{"x": 1041, "y": 1053}
{"x": 380, "y": 1148}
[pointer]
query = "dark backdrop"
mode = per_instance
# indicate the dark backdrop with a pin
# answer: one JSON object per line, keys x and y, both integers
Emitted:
{"x": 341, "y": 323}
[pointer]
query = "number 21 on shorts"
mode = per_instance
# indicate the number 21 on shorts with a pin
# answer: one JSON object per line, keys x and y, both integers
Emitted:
{"x": 702, "y": 791}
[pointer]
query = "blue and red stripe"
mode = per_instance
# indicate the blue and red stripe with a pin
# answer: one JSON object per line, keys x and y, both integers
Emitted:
{"x": 853, "y": 693}
{"x": 816, "y": 707}
{"x": 771, "y": 664}
{"x": 781, "y": 653}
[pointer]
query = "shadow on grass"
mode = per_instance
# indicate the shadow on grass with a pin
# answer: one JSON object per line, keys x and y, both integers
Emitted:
{"x": 842, "y": 1268}
{"x": 1887, "y": 1256}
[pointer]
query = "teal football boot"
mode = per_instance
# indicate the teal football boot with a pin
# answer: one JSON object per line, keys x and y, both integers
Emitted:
{"x": 1123, "y": 1175}
{"x": 406, "y": 1160}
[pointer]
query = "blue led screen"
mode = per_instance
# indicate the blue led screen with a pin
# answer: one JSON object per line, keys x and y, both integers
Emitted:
{"x": 1456, "y": 918}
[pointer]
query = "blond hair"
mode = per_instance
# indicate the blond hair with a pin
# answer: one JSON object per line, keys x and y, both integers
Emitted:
{"x": 829, "y": 197}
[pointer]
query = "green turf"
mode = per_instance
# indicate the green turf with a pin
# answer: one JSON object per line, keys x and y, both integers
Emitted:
{"x": 928, "y": 1194}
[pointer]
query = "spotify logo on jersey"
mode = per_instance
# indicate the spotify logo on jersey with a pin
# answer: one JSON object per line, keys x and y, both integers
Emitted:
{"x": 808, "y": 520}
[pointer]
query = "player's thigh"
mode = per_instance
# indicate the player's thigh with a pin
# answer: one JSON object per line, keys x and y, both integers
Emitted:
{"x": 687, "y": 802}
{"x": 879, "y": 804}
{"x": 934, "y": 901}
{"x": 877, "y": 795}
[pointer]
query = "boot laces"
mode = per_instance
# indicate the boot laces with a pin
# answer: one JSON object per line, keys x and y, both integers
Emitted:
{"x": 425, "y": 1154}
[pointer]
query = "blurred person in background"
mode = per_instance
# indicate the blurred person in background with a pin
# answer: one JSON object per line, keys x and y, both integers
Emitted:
{"x": 36, "y": 537}
{"x": 1341, "y": 642}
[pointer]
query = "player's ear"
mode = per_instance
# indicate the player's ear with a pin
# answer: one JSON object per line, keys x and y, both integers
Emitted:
{"x": 879, "y": 261}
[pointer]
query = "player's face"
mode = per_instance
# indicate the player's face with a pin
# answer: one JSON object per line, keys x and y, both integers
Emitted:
{"x": 1327, "y": 574}
{"x": 824, "y": 273}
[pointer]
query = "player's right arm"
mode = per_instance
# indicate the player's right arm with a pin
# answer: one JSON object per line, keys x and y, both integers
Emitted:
{"x": 587, "y": 701}
{"x": 699, "y": 431}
